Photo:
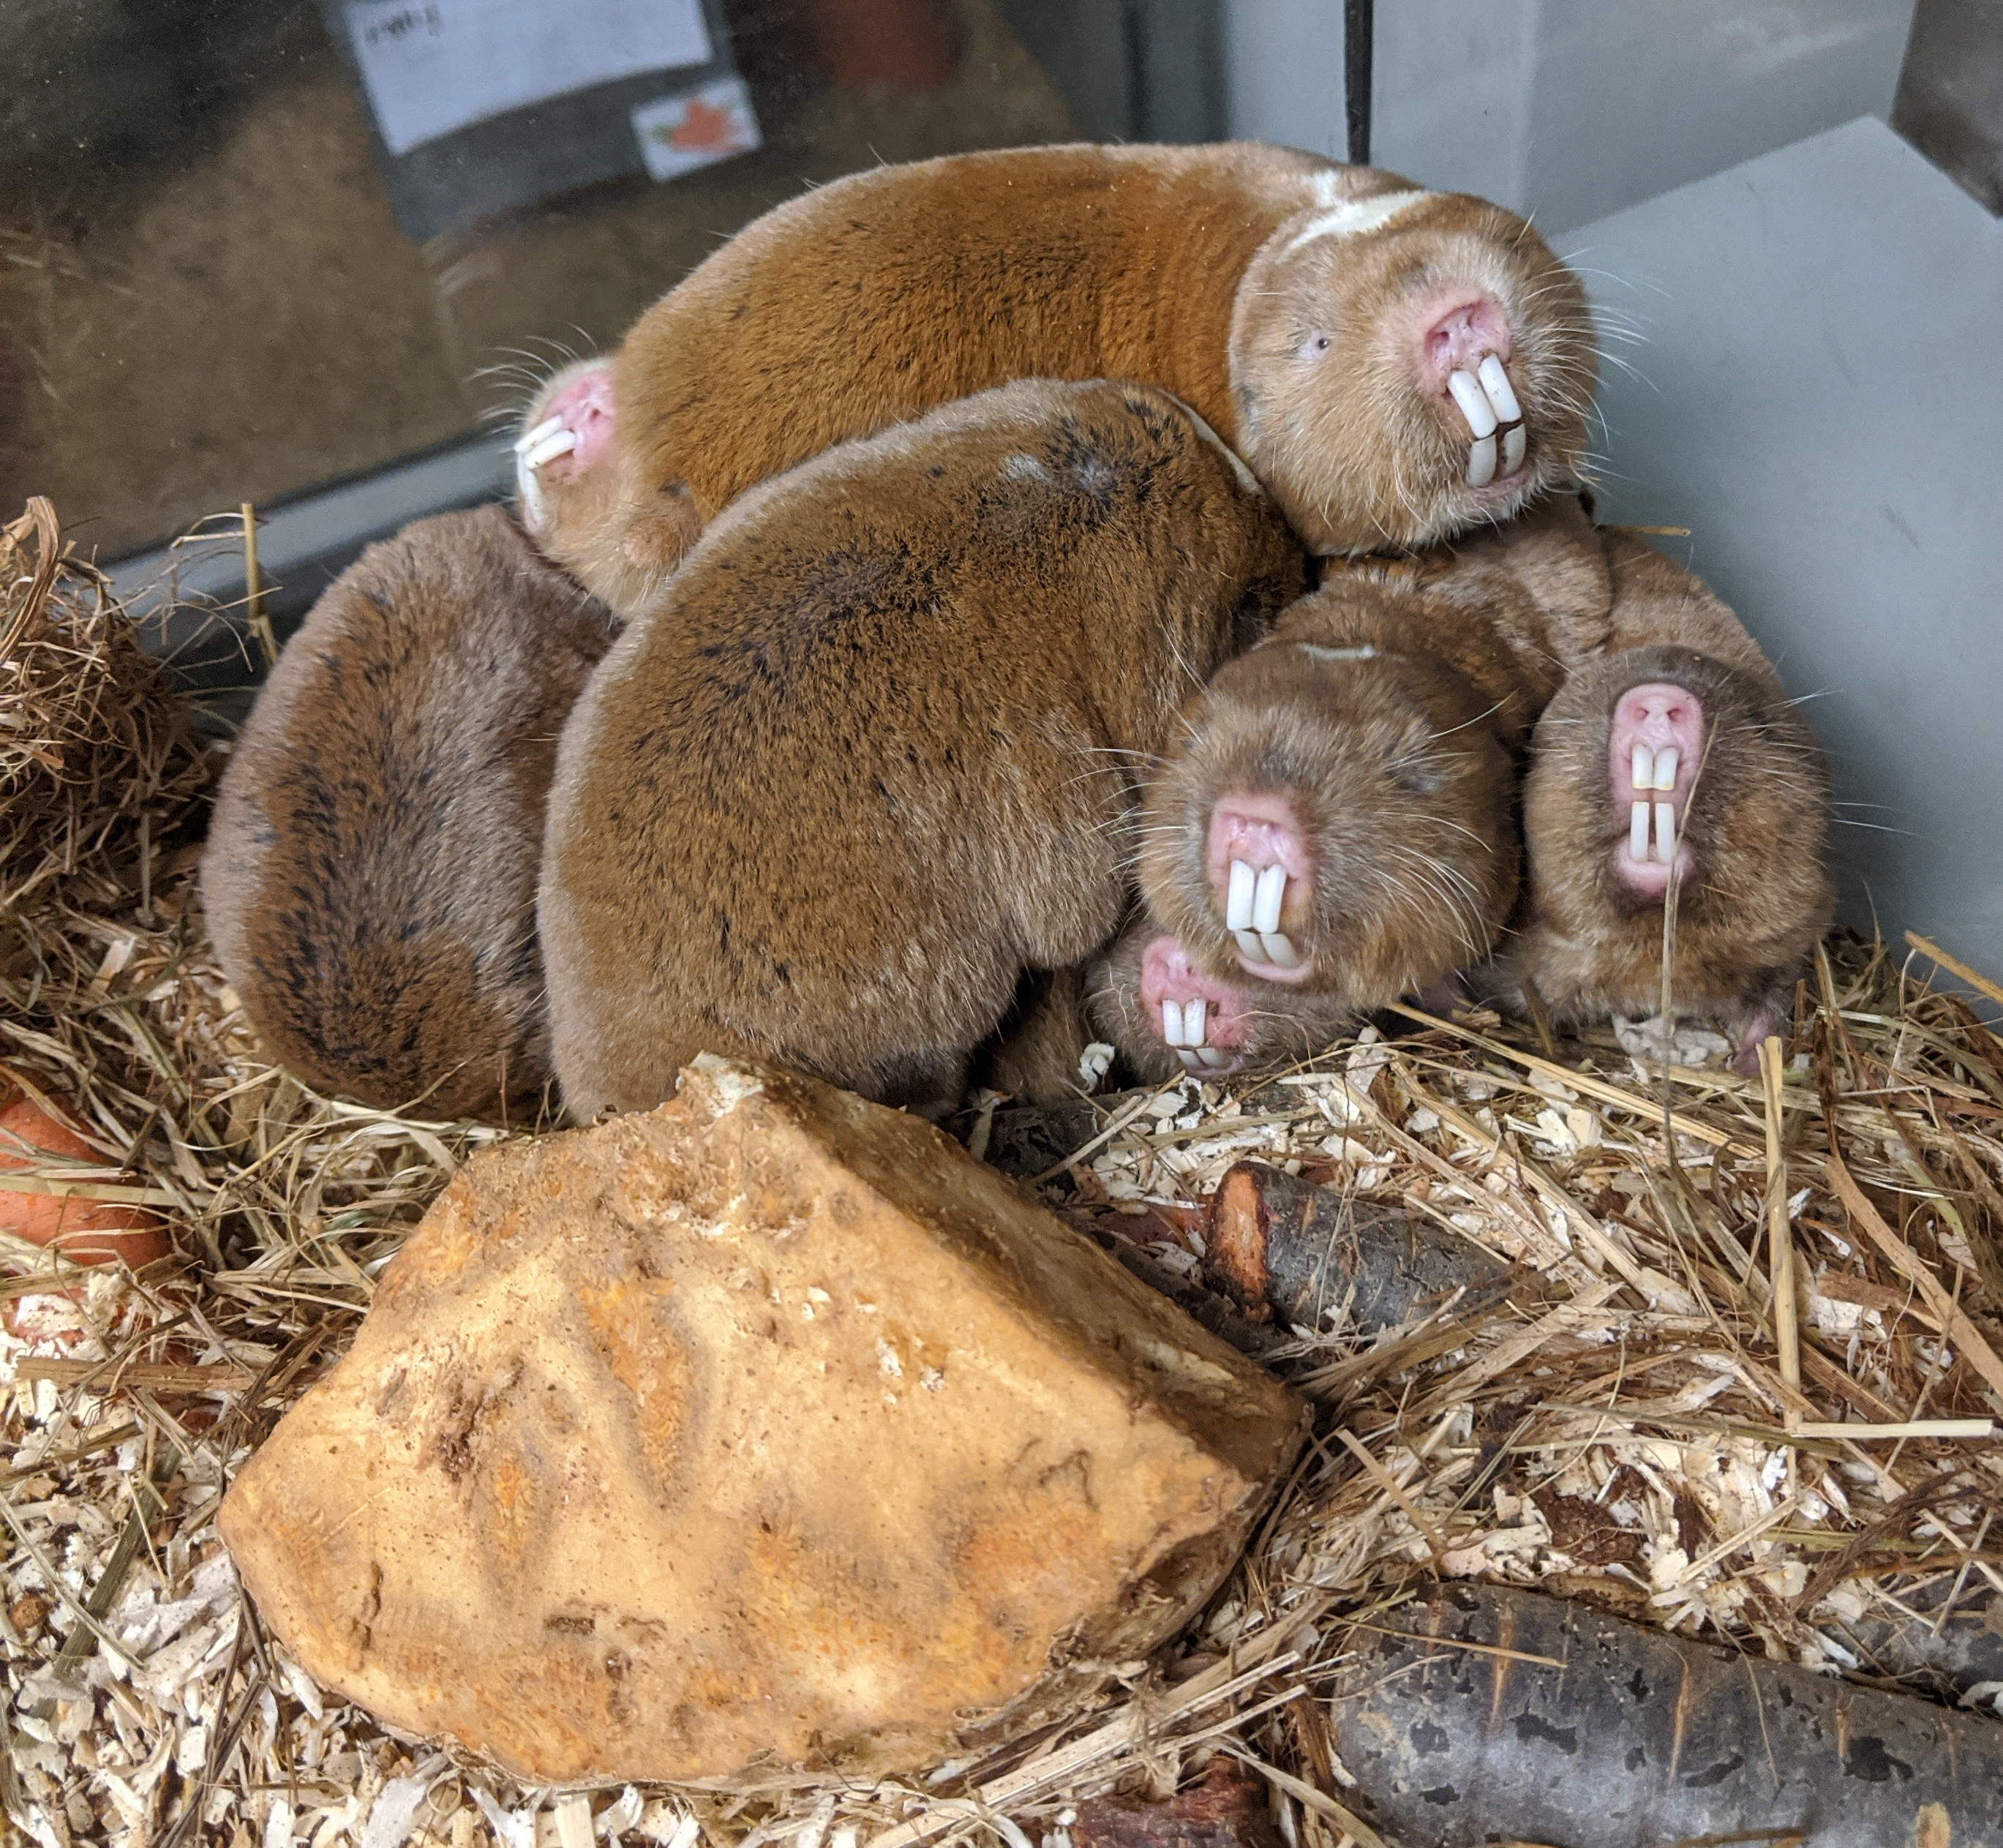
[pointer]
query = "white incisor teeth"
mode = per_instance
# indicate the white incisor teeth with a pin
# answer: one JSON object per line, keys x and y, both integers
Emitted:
{"x": 1665, "y": 768}
{"x": 1211, "y": 1056}
{"x": 1500, "y": 394}
{"x": 550, "y": 449}
{"x": 1513, "y": 444}
{"x": 1280, "y": 948}
{"x": 1268, "y": 897}
{"x": 1474, "y": 403}
{"x": 1193, "y": 1021}
{"x": 1664, "y": 851}
{"x": 1638, "y": 830}
{"x": 1238, "y": 906}
{"x": 1191, "y": 1061}
{"x": 1482, "y": 462}
{"x": 1172, "y": 1022}
{"x": 1644, "y": 767}
{"x": 542, "y": 433}
{"x": 1249, "y": 947}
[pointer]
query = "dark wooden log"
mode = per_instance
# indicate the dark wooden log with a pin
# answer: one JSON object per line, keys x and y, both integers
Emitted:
{"x": 1498, "y": 1715}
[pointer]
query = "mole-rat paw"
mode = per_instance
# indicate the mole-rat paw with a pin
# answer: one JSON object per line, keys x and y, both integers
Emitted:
{"x": 1261, "y": 873}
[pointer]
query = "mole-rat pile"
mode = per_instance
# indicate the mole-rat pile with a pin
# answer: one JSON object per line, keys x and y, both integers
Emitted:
{"x": 1007, "y": 609}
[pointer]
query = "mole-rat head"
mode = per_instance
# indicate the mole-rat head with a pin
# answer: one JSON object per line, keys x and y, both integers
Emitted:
{"x": 1408, "y": 365}
{"x": 1161, "y": 1012}
{"x": 1339, "y": 821}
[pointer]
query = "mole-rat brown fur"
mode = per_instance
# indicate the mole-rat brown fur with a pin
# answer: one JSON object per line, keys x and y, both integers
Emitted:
{"x": 873, "y": 756}
{"x": 370, "y": 875}
{"x": 1311, "y": 312}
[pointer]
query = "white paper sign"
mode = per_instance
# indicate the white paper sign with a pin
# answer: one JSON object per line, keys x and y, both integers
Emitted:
{"x": 431, "y": 66}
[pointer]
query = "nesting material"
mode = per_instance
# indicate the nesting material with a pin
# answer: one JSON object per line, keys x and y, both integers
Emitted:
{"x": 768, "y": 1428}
{"x": 1622, "y": 1442}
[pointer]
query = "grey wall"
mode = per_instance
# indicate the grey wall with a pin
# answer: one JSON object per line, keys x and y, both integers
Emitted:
{"x": 1570, "y": 108}
{"x": 1818, "y": 398}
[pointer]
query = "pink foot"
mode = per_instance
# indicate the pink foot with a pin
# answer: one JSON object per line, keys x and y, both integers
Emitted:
{"x": 1464, "y": 347}
{"x": 567, "y": 432}
{"x": 1201, "y": 1022}
{"x": 1656, "y": 744}
{"x": 1262, "y": 881}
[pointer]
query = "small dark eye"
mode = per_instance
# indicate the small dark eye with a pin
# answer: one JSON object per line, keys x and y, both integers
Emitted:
{"x": 1317, "y": 345}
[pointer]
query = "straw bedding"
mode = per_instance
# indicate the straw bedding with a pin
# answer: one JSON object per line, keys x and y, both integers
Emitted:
{"x": 1623, "y": 1439}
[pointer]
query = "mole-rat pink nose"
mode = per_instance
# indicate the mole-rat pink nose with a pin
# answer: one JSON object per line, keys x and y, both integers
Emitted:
{"x": 1656, "y": 714}
{"x": 1457, "y": 335}
{"x": 580, "y": 410}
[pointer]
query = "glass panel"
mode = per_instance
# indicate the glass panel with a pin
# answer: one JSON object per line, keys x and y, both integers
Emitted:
{"x": 222, "y": 284}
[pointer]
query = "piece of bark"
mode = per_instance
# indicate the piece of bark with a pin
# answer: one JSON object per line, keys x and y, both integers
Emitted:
{"x": 766, "y": 1428}
{"x": 1229, "y": 1809}
{"x": 1277, "y": 1242}
{"x": 1623, "y": 1737}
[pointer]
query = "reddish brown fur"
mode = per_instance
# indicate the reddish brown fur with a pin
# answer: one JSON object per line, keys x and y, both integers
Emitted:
{"x": 370, "y": 875}
{"x": 873, "y": 757}
{"x": 1400, "y": 766}
{"x": 1759, "y": 895}
{"x": 886, "y": 293}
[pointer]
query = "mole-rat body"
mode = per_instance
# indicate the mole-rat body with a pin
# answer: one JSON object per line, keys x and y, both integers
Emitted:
{"x": 1665, "y": 704}
{"x": 1393, "y": 364}
{"x": 1675, "y": 748}
{"x": 370, "y": 875}
{"x": 873, "y": 756}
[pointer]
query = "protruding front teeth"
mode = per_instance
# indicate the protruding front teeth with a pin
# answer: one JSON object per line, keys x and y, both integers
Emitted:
{"x": 550, "y": 449}
{"x": 1500, "y": 394}
{"x": 1252, "y": 909}
{"x": 542, "y": 433}
{"x": 1665, "y": 768}
{"x": 1474, "y": 401}
{"x": 1267, "y": 899}
{"x": 1237, "y": 904}
{"x": 1495, "y": 420}
{"x": 1664, "y": 851}
{"x": 1637, "y": 828}
{"x": 1185, "y": 1026}
{"x": 1644, "y": 767}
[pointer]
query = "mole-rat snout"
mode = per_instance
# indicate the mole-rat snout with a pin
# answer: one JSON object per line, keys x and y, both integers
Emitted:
{"x": 1338, "y": 823}
{"x": 1146, "y": 995}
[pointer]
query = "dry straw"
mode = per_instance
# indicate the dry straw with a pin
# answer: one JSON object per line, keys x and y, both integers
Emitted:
{"x": 1633, "y": 1438}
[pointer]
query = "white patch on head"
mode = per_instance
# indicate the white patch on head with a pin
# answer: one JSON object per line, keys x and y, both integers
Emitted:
{"x": 1025, "y": 468}
{"x": 1246, "y": 479}
{"x": 1353, "y": 217}
{"x": 1366, "y": 652}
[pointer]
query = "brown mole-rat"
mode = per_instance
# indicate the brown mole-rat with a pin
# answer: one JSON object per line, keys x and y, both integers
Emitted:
{"x": 1394, "y": 364}
{"x": 1340, "y": 817}
{"x": 873, "y": 758}
{"x": 370, "y": 874}
{"x": 1675, "y": 750}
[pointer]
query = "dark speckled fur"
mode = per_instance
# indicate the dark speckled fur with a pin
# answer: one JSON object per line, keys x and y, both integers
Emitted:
{"x": 874, "y": 756}
{"x": 370, "y": 874}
